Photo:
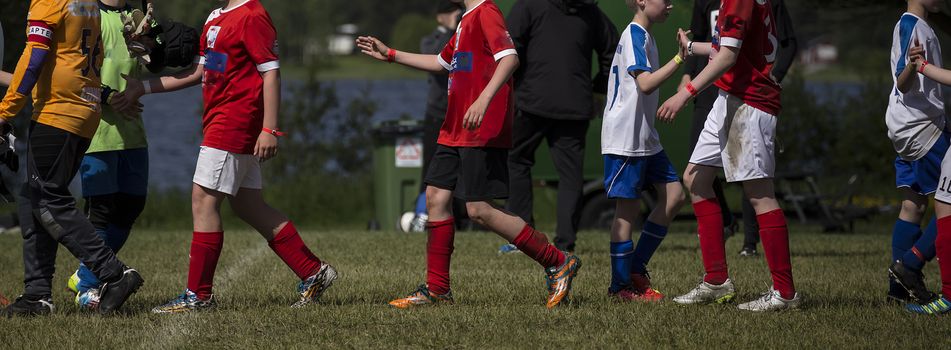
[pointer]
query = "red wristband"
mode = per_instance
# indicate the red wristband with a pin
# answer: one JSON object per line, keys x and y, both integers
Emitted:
{"x": 391, "y": 56}
{"x": 692, "y": 90}
{"x": 921, "y": 67}
{"x": 274, "y": 132}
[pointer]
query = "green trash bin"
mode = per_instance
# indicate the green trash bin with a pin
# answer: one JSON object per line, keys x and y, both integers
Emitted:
{"x": 397, "y": 168}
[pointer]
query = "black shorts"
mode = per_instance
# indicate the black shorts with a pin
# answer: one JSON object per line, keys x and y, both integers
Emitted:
{"x": 473, "y": 174}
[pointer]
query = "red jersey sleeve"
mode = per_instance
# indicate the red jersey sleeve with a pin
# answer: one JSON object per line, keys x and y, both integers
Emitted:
{"x": 734, "y": 19}
{"x": 445, "y": 57}
{"x": 496, "y": 34}
{"x": 260, "y": 40}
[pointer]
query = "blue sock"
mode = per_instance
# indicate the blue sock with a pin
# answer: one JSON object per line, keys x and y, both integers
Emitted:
{"x": 421, "y": 204}
{"x": 114, "y": 237}
{"x": 621, "y": 264}
{"x": 650, "y": 239}
{"x": 924, "y": 245}
{"x": 904, "y": 235}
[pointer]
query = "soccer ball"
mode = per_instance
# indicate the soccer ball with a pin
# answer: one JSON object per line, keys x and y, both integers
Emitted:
{"x": 406, "y": 221}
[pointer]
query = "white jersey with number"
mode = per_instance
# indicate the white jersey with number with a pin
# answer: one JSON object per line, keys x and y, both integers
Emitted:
{"x": 628, "y": 127}
{"x": 915, "y": 119}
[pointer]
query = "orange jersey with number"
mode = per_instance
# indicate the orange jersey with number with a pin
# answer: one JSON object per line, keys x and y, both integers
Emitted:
{"x": 67, "y": 91}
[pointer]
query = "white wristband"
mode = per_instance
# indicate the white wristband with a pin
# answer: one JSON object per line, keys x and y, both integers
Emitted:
{"x": 147, "y": 87}
{"x": 690, "y": 48}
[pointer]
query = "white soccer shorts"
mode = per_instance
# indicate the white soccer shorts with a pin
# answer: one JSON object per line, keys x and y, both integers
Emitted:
{"x": 738, "y": 138}
{"x": 227, "y": 172}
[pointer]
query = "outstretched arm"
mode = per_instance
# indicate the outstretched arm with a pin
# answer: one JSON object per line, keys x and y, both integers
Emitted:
{"x": 931, "y": 71}
{"x": 135, "y": 88}
{"x": 648, "y": 82}
{"x": 721, "y": 63}
{"x": 375, "y": 48}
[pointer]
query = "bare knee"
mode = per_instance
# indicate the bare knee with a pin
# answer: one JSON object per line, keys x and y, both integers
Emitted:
{"x": 913, "y": 209}
{"x": 437, "y": 201}
{"x": 478, "y": 211}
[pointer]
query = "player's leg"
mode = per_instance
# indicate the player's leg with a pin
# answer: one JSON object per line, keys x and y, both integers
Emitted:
{"x": 623, "y": 180}
{"x": 483, "y": 177}
{"x": 215, "y": 178}
{"x": 670, "y": 198}
{"x": 941, "y": 304}
{"x": 774, "y": 234}
{"x": 284, "y": 239}
{"x": 54, "y": 158}
{"x": 701, "y": 171}
{"x": 441, "y": 179}
{"x": 566, "y": 142}
{"x": 99, "y": 174}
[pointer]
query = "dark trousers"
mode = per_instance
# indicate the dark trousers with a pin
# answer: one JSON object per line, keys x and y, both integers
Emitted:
{"x": 566, "y": 141}
{"x": 51, "y": 217}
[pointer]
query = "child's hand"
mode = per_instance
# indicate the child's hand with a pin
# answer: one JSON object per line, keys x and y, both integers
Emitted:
{"x": 916, "y": 54}
{"x": 668, "y": 111}
{"x": 266, "y": 146}
{"x": 683, "y": 40}
{"x": 474, "y": 115}
{"x": 125, "y": 105}
{"x": 373, "y": 47}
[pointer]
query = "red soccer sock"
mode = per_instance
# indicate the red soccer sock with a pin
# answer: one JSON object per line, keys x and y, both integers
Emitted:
{"x": 710, "y": 230}
{"x": 203, "y": 259}
{"x": 943, "y": 247}
{"x": 288, "y": 245}
{"x": 535, "y": 244}
{"x": 775, "y": 237}
{"x": 438, "y": 255}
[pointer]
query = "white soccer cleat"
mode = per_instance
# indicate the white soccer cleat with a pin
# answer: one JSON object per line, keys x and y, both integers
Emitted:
{"x": 771, "y": 301}
{"x": 706, "y": 293}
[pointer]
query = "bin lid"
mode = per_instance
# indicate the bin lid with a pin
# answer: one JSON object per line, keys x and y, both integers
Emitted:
{"x": 397, "y": 127}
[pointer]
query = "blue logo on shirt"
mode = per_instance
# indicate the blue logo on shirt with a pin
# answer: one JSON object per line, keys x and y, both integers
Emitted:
{"x": 462, "y": 61}
{"x": 215, "y": 61}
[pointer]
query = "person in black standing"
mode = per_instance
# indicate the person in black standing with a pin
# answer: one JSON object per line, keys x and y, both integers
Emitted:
{"x": 702, "y": 25}
{"x": 555, "y": 40}
{"x": 448, "y": 14}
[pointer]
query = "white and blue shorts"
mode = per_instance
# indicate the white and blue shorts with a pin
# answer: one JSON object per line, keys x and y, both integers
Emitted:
{"x": 626, "y": 177}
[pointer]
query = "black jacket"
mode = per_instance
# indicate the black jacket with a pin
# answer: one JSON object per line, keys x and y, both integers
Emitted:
{"x": 704, "y": 18}
{"x": 555, "y": 40}
{"x": 438, "y": 98}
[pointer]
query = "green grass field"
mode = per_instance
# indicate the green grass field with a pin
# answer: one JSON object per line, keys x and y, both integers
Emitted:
{"x": 500, "y": 299}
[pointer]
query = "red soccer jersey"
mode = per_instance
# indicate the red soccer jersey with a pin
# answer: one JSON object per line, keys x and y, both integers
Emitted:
{"x": 238, "y": 45}
{"x": 748, "y": 25}
{"x": 481, "y": 40}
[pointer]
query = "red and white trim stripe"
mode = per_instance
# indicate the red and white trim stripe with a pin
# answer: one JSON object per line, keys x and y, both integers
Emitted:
{"x": 731, "y": 42}
{"x": 501, "y": 54}
{"x": 39, "y": 32}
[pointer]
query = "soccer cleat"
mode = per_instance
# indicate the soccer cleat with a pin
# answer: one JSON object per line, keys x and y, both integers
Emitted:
{"x": 558, "y": 281}
{"x": 913, "y": 281}
{"x": 422, "y": 296}
{"x": 29, "y": 306}
{"x": 508, "y": 248}
{"x": 706, "y": 293}
{"x": 748, "y": 252}
{"x": 629, "y": 294}
{"x": 936, "y": 307}
{"x": 113, "y": 294}
{"x": 88, "y": 300}
{"x": 188, "y": 301}
{"x": 311, "y": 288}
{"x": 73, "y": 283}
{"x": 642, "y": 286}
{"x": 771, "y": 301}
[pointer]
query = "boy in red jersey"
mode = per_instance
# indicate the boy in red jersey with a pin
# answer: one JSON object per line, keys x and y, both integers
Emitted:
{"x": 470, "y": 160}
{"x": 239, "y": 69}
{"x": 738, "y": 137}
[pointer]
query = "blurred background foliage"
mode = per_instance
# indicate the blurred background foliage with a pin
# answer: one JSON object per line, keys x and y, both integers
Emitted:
{"x": 836, "y": 132}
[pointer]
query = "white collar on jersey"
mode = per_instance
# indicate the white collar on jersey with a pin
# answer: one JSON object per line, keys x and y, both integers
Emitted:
{"x": 473, "y": 8}
{"x": 224, "y": 10}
